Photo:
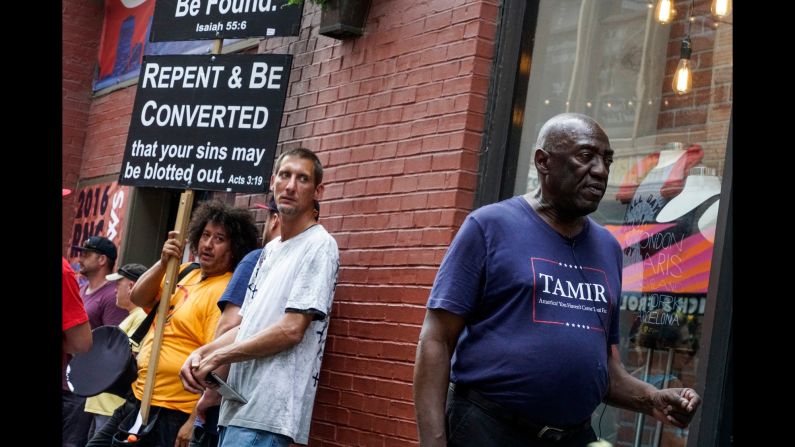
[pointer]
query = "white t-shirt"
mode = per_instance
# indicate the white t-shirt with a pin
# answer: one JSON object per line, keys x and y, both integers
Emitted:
{"x": 299, "y": 275}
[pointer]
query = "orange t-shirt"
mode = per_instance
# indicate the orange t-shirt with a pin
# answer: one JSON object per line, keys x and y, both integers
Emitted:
{"x": 190, "y": 324}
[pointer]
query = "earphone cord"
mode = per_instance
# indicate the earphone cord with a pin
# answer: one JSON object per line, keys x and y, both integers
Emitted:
{"x": 604, "y": 329}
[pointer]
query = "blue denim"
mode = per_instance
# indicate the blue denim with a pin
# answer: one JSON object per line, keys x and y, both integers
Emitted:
{"x": 469, "y": 425}
{"x": 203, "y": 438}
{"x": 233, "y": 436}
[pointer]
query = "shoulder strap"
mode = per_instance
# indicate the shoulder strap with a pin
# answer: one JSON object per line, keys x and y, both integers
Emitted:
{"x": 143, "y": 328}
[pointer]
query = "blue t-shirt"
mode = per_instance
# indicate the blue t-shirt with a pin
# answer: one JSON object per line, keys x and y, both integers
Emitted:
{"x": 540, "y": 311}
{"x": 234, "y": 293}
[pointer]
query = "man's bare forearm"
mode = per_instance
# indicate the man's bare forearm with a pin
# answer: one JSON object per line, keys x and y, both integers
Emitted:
{"x": 146, "y": 289}
{"x": 627, "y": 391}
{"x": 431, "y": 379}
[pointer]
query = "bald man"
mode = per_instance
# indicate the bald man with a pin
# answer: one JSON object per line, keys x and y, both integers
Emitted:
{"x": 518, "y": 346}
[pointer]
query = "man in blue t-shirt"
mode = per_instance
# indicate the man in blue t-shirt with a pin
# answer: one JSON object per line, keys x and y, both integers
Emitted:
{"x": 518, "y": 347}
{"x": 205, "y": 431}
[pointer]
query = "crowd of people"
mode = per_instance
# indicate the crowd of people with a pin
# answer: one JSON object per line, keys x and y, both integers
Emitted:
{"x": 503, "y": 358}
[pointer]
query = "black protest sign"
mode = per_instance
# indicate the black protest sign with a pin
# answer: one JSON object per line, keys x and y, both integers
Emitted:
{"x": 223, "y": 19}
{"x": 207, "y": 122}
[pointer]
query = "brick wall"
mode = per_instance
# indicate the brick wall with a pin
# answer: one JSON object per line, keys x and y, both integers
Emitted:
{"x": 701, "y": 116}
{"x": 396, "y": 117}
{"x": 82, "y": 23}
{"x": 106, "y": 134}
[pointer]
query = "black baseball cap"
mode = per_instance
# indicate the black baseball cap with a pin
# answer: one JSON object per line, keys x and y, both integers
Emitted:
{"x": 99, "y": 244}
{"x": 129, "y": 271}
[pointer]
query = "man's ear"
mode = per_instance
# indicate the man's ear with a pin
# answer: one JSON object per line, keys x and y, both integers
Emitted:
{"x": 319, "y": 191}
{"x": 541, "y": 159}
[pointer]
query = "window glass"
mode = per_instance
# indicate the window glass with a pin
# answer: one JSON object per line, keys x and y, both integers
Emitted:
{"x": 611, "y": 60}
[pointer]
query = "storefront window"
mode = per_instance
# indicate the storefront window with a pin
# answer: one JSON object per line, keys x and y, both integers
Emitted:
{"x": 611, "y": 60}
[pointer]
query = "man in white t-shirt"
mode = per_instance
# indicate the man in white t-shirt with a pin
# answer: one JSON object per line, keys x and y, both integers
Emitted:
{"x": 276, "y": 351}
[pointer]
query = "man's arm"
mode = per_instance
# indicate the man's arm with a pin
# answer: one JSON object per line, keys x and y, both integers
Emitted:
{"x": 673, "y": 405}
{"x": 284, "y": 334}
{"x": 185, "y": 432}
{"x": 77, "y": 339}
{"x": 438, "y": 339}
{"x": 145, "y": 292}
{"x": 230, "y": 319}
{"x": 192, "y": 378}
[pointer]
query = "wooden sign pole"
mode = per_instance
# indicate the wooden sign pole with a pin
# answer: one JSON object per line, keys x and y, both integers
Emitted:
{"x": 172, "y": 270}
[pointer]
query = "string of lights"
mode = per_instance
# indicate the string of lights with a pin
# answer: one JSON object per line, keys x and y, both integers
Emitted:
{"x": 664, "y": 13}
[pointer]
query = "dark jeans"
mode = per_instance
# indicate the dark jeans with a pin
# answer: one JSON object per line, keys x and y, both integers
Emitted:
{"x": 76, "y": 422}
{"x": 469, "y": 425}
{"x": 202, "y": 438}
{"x": 164, "y": 433}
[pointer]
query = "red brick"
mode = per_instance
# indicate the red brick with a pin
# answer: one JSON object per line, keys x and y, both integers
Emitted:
{"x": 438, "y": 21}
{"x": 408, "y": 61}
{"x": 389, "y": 116}
{"x": 378, "y": 186}
{"x": 341, "y": 77}
{"x": 356, "y": 105}
{"x": 367, "y": 119}
{"x": 385, "y": 67}
{"x": 323, "y": 430}
{"x": 385, "y": 150}
{"x": 690, "y": 117}
{"x": 379, "y": 100}
{"x": 429, "y": 91}
{"x": 361, "y": 72}
{"x": 418, "y": 164}
{"x": 404, "y": 96}
{"x": 466, "y": 13}
{"x": 433, "y": 55}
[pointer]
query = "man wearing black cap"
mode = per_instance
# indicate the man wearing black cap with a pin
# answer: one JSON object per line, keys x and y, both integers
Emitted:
{"x": 97, "y": 258}
{"x": 102, "y": 406}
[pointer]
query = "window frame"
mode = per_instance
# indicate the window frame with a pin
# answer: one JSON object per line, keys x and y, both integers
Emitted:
{"x": 500, "y": 147}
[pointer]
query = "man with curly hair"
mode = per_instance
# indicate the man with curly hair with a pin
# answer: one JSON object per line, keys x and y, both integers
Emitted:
{"x": 219, "y": 237}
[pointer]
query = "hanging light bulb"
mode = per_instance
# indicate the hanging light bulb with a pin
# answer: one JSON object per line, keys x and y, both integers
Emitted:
{"x": 665, "y": 11}
{"x": 683, "y": 77}
{"x": 721, "y": 8}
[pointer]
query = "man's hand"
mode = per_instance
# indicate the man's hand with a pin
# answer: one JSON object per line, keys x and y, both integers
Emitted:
{"x": 209, "y": 399}
{"x": 206, "y": 365}
{"x": 190, "y": 382}
{"x": 675, "y": 405}
{"x": 172, "y": 247}
{"x": 185, "y": 433}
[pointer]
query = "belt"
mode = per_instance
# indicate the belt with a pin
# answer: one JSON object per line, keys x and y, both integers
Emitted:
{"x": 545, "y": 432}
